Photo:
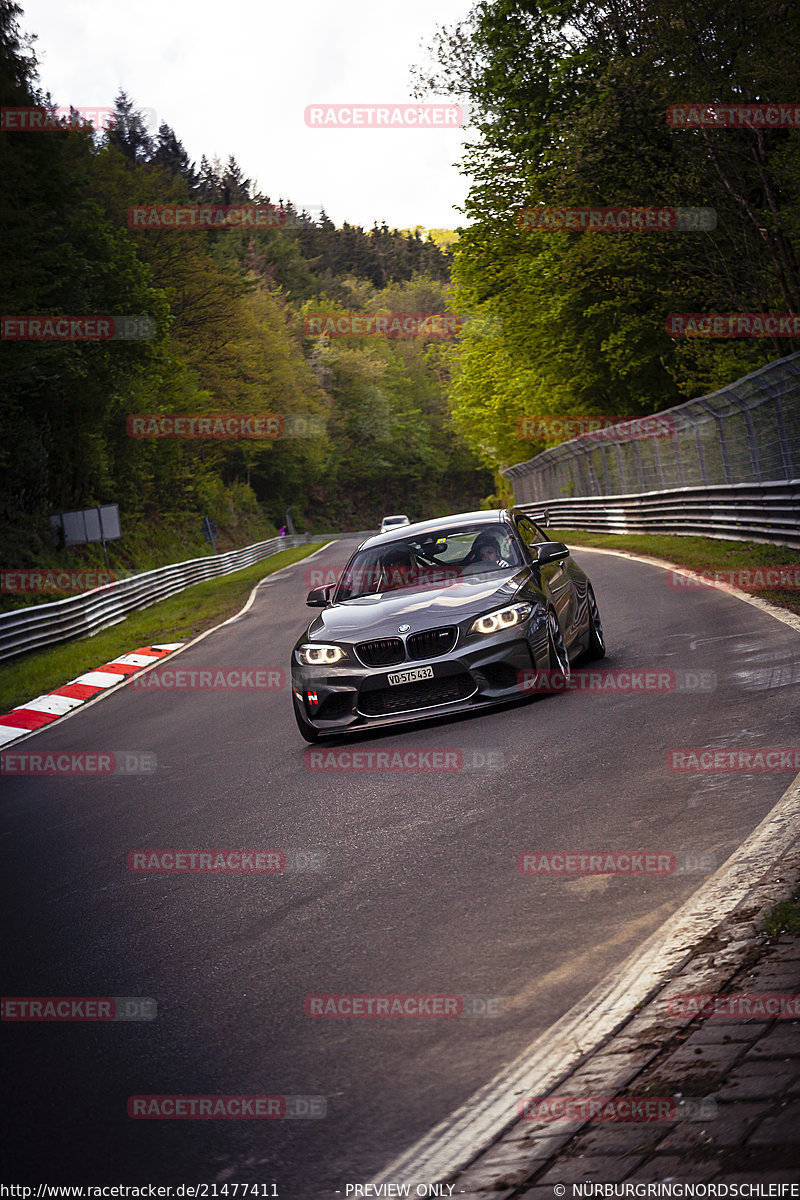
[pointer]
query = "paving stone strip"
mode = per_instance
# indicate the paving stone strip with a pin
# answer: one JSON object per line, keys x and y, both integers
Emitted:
{"x": 733, "y": 1080}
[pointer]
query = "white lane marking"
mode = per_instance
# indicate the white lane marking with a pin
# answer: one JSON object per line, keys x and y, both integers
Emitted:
{"x": 780, "y": 614}
{"x": 266, "y": 580}
{"x": 454, "y": 1142}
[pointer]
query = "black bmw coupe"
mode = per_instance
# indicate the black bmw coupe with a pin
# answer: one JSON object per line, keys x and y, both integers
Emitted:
{"x": 441, "y": 617}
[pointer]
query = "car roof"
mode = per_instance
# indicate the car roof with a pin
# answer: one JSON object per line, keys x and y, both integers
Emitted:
{"x": 454, "y": 521}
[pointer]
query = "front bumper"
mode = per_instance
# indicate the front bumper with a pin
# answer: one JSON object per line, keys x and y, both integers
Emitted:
{"x": 479, "y": 671}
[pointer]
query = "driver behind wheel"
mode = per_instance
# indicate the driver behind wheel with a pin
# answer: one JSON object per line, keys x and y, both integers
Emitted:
{"x": 486, "y": 549}
{"x": 399, "y": 570}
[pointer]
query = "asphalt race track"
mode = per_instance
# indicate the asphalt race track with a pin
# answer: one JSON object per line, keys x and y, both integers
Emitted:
{"x": 409, "y": 885}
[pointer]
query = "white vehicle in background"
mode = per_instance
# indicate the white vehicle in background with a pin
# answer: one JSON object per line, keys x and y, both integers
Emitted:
{"x": 393, "y": 523}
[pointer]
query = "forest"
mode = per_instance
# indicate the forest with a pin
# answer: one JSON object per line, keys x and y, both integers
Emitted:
{"x": 568, "y": 105}
{"x": 575, "y": 104}
{"x": 217, "y": 324}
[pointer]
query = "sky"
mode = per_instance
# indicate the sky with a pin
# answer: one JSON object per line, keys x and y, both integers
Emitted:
{"x": 236, "y": 77}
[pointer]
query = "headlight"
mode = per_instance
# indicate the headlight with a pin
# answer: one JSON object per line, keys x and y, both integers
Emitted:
{"x": 502, "y": 618}
{"x": 317, "y": 653}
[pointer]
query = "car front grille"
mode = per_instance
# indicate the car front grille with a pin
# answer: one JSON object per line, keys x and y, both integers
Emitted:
{"x": 431, "y": 642}
{"x": 407, "y": 697}
{"x": 382, "y": 653}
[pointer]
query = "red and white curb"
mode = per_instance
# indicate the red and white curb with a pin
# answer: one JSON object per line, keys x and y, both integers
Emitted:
{"x": 34, "y": 714}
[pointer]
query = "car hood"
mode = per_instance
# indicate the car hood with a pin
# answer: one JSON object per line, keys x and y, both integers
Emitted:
{"x": 421, "y": 608}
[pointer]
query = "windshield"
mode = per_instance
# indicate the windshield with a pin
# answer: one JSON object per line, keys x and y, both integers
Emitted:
{"x": 435, "y": 560}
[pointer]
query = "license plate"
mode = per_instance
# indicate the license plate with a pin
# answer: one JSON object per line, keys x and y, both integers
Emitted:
{"x": 411, "y": 676}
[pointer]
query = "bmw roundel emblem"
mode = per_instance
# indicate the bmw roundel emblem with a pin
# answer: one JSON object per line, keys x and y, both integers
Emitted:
{"x": 403, "y": 628}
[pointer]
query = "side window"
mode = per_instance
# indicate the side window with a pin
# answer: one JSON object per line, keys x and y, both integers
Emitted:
{"x": 530, "y": 533}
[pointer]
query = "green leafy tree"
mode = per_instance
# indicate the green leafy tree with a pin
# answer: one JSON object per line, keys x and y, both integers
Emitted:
{"x": 568, "y": 102}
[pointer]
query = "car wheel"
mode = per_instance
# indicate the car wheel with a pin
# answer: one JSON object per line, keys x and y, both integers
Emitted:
{"x": 557, "y": 651}
{"x": 308, "y": 731}
{"x": 596, "y": 647}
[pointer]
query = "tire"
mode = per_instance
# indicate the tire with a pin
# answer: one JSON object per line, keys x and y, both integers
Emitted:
{"x": 307, "y": 730}
{"x": 557, "y": 651}
{"x": 596, "y": 647}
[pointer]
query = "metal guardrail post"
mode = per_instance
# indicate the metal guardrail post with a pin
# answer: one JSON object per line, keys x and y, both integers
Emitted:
{"x": 657, "y": 457}
{"x": 638, "y": 460}
{"x": 717, "y": 418}
{"x": 752, "y": 444}
{"x": 783, "y": 440}
{"x": 620, "y": 463}
{"x": 676, "y": 439}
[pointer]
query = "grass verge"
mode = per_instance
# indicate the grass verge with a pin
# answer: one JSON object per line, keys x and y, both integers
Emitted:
{"x": 701, "y": 554}
{"x": 177, "y": 619}
{"x": 784, "y": 917}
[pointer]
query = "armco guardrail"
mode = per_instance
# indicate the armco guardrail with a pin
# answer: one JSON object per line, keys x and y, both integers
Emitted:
{"x": 26, "y": 629}
{"x": 760, "y": 512}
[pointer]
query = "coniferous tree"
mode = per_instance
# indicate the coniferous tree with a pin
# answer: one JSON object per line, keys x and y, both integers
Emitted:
{"x": 129, "y": 132}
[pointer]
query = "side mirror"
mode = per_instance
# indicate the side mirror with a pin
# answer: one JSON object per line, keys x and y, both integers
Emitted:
{"x": 318, "y": 597}
{"x": 547, "y": 552}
